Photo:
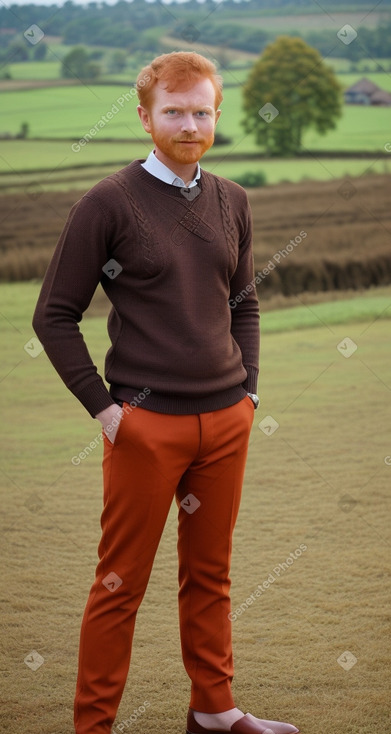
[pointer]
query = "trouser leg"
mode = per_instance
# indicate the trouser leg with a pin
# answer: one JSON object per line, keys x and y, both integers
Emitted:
{"x": 204, "y": 546}
{"x": 141, "y": 473}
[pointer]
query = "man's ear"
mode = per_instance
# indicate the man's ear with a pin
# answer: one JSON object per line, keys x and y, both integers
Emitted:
{"x": 144, "y": 117}
{"x": 217, "y": 115}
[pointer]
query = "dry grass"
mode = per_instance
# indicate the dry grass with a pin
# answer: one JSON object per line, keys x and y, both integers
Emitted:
{"x": 348, "y": 242}
{"x": 348, "y": 235}
{"x": 320, "y": 479}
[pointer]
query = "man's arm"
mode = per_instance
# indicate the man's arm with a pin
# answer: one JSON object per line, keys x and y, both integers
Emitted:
{"x": 69, "y": 284}
{"x": 245, "y": 308}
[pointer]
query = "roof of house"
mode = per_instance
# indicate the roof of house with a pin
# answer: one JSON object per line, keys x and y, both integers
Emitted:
{"x": 365, "y": 86}
{"x": 381, "y": 97}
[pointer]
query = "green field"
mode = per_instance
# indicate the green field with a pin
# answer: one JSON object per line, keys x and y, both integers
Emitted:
{"x": 47, "y": 161}
{"x": 51, "y": 69}
{"x": 71, "y": 112}
{"x": 382, "y": 80}
{"x": 363, "y": 128}
{"x": 364, "y": 67}
{"x": 322, "y": 480}
{"x": 316, "y": 21}
{"x": 44, "y": 70}
{"x": 35, "y": 70}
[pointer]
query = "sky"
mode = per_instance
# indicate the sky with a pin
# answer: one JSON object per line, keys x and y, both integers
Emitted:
{"x": 59, "y": 3}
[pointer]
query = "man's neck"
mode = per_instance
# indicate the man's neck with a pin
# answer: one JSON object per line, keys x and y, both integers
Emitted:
{"x": 185, "y": 171}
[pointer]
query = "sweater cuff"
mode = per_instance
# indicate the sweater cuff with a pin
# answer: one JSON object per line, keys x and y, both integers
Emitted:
{"x": 250, "y": 384}
{"x": 95, "y": 397}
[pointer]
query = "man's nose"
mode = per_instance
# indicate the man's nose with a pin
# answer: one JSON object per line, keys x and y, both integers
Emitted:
{"x": 188, "y": 123}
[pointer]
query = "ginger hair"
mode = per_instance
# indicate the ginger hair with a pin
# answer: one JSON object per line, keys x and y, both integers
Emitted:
{"x": 175, "y": 70}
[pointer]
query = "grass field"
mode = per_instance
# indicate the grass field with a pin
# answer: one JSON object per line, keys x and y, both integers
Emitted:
{"x": 37, "y": 164}
{"x": 35, "y": 70}
{"x": 321, "y": 479}
{"x": 51, "y": 70}
{"x": 364, "y": 129}
{"x": 382, "y": 80}
{"x": 70, "y": 112}
{"x": 313, "y": 21}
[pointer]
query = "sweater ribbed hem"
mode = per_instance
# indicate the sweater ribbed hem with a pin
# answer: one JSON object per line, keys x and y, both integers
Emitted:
{"x": 251, "y": 383}
{"x": 95, "y": 397}
{"x": 178, "y": 404}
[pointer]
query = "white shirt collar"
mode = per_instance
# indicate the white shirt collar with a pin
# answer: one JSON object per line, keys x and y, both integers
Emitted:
{"x": 161, "y": 171}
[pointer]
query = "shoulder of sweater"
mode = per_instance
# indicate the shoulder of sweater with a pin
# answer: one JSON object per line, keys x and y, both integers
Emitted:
{"x": 234, "y": 189}
{"x": 102, "y": 192}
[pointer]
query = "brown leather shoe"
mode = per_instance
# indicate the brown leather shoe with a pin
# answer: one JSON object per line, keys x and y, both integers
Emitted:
{"x": 245, "y": 725}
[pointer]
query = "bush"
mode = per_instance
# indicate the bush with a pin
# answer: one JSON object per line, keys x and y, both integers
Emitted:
{"x": 251, "y": 179}
{"x": 40, "y": 51}
{"x": 24, "y": 131}
{"x": 221, "y": 139}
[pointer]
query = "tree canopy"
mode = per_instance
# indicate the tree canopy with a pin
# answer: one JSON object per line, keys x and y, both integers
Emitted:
{"x": 290, "y": 89}
{"x": 77, "y": 64}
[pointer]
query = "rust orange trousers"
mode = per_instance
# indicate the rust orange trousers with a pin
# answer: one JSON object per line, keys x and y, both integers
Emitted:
{"x": 199, "y": 460}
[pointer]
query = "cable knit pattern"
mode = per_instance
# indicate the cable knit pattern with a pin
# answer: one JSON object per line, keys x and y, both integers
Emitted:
{"x": 228, "y": 224}
{"x": 146, "y": 237}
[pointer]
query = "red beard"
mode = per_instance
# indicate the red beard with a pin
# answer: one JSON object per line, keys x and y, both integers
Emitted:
{"x": 179, "y": 152}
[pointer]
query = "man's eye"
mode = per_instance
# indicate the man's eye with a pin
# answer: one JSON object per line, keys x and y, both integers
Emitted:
{"x": 171, "y": 112}
{"x": 201, "y": 113}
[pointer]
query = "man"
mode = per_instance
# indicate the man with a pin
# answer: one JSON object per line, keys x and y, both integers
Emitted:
{"x": 171, "y": 245}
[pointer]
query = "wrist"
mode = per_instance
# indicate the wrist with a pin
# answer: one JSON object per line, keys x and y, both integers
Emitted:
{"x": 254, "y": 398}
{"x": 104, "y": 416}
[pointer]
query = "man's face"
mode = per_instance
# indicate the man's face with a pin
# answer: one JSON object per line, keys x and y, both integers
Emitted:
{"x": 182, "y": 123}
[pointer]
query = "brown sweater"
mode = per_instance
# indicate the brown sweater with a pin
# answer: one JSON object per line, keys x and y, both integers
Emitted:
{"x": 179, "y": 261}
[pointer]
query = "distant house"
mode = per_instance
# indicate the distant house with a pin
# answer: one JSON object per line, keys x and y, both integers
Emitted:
{"x": 366, "y": 92}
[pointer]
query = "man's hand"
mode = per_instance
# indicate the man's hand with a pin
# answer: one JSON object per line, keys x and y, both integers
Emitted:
{"x": 110, "y": 419}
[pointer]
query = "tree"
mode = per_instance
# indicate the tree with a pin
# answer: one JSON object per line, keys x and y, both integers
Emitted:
{"x": 77, "y": 64}
{"x": 17, "y": 51}
{"x": 93, "y": 70}
{"x": 40, "y": 51}
{"x": 24, "y": 130}
{"x": 118, "y": 61}
{"x": 288, "y": 90}
{"x": 223, "y": 57}
{"x": 5, "y": 72}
